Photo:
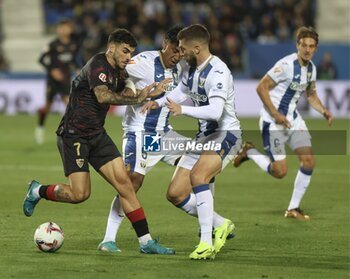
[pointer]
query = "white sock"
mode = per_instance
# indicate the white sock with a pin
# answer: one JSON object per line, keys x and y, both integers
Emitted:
{"x": 261, "y": 160}
{"x": 189, "y": 206}
{"x": 302, "y": 181}
{"x": 212, "y": 187}
{"x": 115, "y": 218}
{"x": 218, "y": 220}
{"x": 144, "y": 239}
{"x": 36, "y": 192}
{"x": 205, "y": 208}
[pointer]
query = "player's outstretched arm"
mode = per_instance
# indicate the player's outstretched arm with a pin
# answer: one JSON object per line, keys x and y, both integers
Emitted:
{"x": 316, "y": 103}
{"x": 106, "y": 96}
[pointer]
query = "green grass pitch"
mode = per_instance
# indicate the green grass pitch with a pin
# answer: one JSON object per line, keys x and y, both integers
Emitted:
{"x": 266, "y": 245}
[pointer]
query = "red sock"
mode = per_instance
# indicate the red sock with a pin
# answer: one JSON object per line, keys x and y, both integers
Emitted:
{"x": 51, "y": 192}
{"x": 136, "y": 215}
{"x": 48, "y": 192}
{"x": 138, "y": 221}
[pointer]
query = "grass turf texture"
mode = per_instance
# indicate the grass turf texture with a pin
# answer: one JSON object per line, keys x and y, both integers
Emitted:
{"x": 266, "y": 244}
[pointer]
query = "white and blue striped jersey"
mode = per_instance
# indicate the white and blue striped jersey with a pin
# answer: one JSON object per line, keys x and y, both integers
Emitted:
{"x": 147, "y": 67}
{"x": 291, "y": 80}
{"x": 212, "y": 79}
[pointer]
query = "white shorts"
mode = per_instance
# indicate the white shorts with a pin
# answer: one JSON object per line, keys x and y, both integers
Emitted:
{"x": 136, "y": 160}
{"x": 275, "y": 136}
{"x": 230, "y": 143}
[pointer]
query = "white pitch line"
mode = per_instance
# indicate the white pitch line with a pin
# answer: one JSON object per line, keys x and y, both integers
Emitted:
{"x": 159, "y": 168}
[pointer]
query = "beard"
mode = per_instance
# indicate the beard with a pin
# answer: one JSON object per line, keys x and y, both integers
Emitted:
{"x": 192, "y": 61}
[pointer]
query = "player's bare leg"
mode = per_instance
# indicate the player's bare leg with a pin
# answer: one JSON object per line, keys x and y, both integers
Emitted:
{"x": 116, "y": 216}
{"x": 115, "y": 173}
{"x": 76, "y": 192}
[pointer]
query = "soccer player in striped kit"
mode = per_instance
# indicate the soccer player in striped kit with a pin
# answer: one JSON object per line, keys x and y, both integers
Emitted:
{"x": 209, "y": 84}
{"x": 281, "y": 123}
{"x": 148, "y": 67}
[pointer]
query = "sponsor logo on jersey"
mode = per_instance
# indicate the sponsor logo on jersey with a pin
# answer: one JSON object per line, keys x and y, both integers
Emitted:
{"x": 298, "y": 87}
{"x": 198, "y": 97}
{"x": 102, "y": 77}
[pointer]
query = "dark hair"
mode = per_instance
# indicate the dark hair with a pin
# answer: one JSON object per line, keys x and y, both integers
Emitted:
{"x": 307, "y": 32}
{"x": 122, "y": 35}
{"x": 196, "y": 32}
{"x": 171, "y": 34}
{"x": 64, "y": 21}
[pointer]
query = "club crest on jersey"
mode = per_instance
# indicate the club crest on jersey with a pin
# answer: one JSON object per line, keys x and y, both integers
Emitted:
{"x": 80, "y": 162}
{"x": 201, "y": 82}
{"x": 309, "y": 76}
{"x": 143, "y": 165}
{"x": 175, "y": 77}
{"x": 219, "y": 85}
{"x": 102, "y": 77}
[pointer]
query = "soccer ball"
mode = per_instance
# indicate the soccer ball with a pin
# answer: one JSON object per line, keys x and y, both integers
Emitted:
{"x": 49, "y": 237}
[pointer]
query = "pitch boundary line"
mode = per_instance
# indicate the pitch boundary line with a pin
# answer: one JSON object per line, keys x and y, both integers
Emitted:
{"x": 58, "y": 168}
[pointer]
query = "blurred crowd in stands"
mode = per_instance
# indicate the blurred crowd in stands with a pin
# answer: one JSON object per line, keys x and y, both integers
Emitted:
{"x": 230, "y": 23}
{"x": 4, "y": 65}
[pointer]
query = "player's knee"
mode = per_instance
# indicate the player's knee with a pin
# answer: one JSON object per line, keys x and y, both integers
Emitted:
{"x": 308, "y": 163}
{"x": 280, "y": 172}
{"x": 197, "y": 177}
{"x": 136, "y": 180}
{"x": 172, "y": 195}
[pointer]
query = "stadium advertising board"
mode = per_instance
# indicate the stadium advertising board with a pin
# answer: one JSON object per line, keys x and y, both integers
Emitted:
{"x": 27, "y": 96}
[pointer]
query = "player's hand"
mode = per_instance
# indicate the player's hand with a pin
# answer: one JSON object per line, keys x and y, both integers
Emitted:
{"x": 175, "y": 108}
{"x": 160, "y": 88}
{"x": 144, "y": 93}
{"x": 329, "y": 117}
{"x": 149, "y": 106}
{"x": 57, "y": 74}
{"x": 282, "y": 120}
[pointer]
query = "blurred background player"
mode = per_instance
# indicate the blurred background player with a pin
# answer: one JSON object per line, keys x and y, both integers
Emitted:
{"x": 146, "y": 68}
{"x": 326, "y": 69}
{"x": 281, "y": 123}
{"x": 83, "y": 140}
{"x": 60, "y": 59}
{"x": 209, "y": 84}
